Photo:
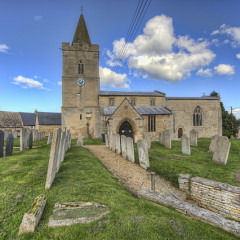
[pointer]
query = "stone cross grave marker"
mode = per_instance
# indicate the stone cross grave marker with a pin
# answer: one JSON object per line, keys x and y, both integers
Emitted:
{"x": 30, "y": 140}
{"x": 130, "y": 150}
{"x": 143, "y": 153}
{"x": 52, "y": 165}
{"x": 124, "y": 145}
{"x": 185, "y": 142}
{"x": 80, "y": 140}
{"x": 167, "y": 141}
{"x": 50, "y": 138}
{"x": 213, "y": 143}
{"x": 9, "y": 145}
{"x": 193, "y": 138}
{"x": 23, "y": 139}
{"x": 118, "y": 144}
{"x": 61, "y": 150}
{"x": 1, "y": 143}
{"x": 147, "y": 136}
{"x": 222, "y": 149}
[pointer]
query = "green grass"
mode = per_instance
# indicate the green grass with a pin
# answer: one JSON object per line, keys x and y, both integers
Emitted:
{"x": 92, "y": 141}
{"x": 168, "y": 163}
{"x": 82, "y": 177}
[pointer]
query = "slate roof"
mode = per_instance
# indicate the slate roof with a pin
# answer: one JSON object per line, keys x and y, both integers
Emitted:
{"x": 120, "y": 93}
{"x": 48, "y": 118}
{"x": 141, "y": 110}
{"x": 193, "y": 98}
{"x": 10, "y": 119}
{"x": 28, "y": 119}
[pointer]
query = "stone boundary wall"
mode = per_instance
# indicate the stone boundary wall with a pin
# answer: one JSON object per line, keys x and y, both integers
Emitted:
{"x": 216, "y": 196}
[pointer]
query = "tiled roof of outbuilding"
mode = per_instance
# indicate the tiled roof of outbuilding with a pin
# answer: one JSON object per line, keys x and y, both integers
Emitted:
{"x": 49, "y": 118}
{"x": 10, "y": 119}
{"x": 193, "y": 98}
{"x": 120, "y": 93}
{"x": 28, "y": 119}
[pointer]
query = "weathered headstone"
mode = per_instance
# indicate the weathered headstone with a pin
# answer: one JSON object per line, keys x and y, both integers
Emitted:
{"x": 185, "y": 142}
{"x": 6, "y": 133}
{"x": 23, "y": 139}
{"x": 106, "y": 140}
{"x": 52, "y": 165}
{"x": 193, "y": 138}
{"x": 213, "y": 143}
{"x": 1, "y": 143}
{"x": 110, "y": 139}
{"x": 113, "y": 142}
{"x": 50, "y": 138}
{"x": 148, "y": 139}
{"x": 160, "y": 137}
{"x": 61, "y": 152}
{"x": 222, "y": 149}
{"x": 143, "y": 153}
{"x": 69, "y": 138}
{"x": 167, "y": 141}
{"x": 118, "y": 144}
{"x": 130, "y": 150}
{"x": 9, "y": 145}
{"x": 30, "y": 140}
{"x": 44, "y": 135}
{"x": 124, "y": 145}
{"x": 15, "y": 133}
{"x": 80, "y": 140}
{"x": 65, "y": 144}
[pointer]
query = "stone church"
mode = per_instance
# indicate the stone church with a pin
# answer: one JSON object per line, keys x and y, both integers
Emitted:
{"x": 87, "y": 110}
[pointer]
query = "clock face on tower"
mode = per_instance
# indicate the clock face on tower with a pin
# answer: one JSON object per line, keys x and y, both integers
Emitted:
{"x": 81, "y": 82}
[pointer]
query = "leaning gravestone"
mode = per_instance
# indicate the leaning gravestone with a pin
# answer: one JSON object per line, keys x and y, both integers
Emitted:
{"x": 30, "y": 140}
{"x": 52, "y": 165}
{"x": 23, "y": 139}
{"x": 15, "y": 133}
{"x": 130, "y": 150}
{"x": 167, "y": 141}
{"x": 61, "y": 151}
{"x": 143, "y": 153}
{"x": 80, "y": 140}
{"x": 50, "y": 138}
{"x": 213, "y": 143}
{"x": 9, "y": 145}
{"x": 193, "y": 138}
{"x": 147, "y": 136}
{"x": 118, "y": 144}
{"x": 1, "y": 143}
{"x": 160, "y": 137}
{"x": 185, "y": 142}
{"x": 124, "y": 145}
{"x": 222, "y": 149}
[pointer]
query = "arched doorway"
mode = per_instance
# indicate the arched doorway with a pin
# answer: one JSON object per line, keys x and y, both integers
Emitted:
{"x": 180, "y": 132}
{"x": 126, "y": 129}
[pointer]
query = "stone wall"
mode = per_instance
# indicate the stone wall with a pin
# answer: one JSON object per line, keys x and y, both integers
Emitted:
{"x": 47, "y": 128}
{"x": 216, "y": 196}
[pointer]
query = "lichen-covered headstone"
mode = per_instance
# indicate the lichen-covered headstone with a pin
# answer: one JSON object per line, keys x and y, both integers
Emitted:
{"x": 222, "y": 149}
{"x": 80, "y": 140}
{"x": 185, "y": 142}
{"x": 61, "y": 151}
{"x": 130, "y": 150}
{"x": 213, "y": 143}
{"x": 65, "y": 144}
{"x": 50, "y": 138}
{"x": 148, "y": 139}
{"x": 6, "y": 133}
{"x": 118, "y": 144}
{"x": 69, "y": 138}
{"x": 1, "y": 143}
{"x": 15, "y": 133}
{"x": 9, "y": 145}
{"x": 160, "y": 137}
{"x": 193, "y": 138}
{"x": 124, "y": 145}
{"x": 23, "y": 139}
{"x": 167, "y": 141}
{"x": 30, "y": 140}
{"x": 52, "y": 165}
{"x": 143, "y": 153}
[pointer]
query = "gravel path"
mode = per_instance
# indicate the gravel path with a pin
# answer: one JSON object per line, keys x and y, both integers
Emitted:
{"x": 131, "y": 175}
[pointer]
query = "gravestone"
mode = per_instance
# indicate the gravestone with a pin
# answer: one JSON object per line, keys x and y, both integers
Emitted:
{"x": 65, "y": 144}
{"x": 106, "y": 140}
{"x": 9, "y": 145}
{"x": 1, "y": 143}
{"x": 50, "y": 138}
{"x": 6, "y": 133}
{"x": 193, "y": 138}
{"x": 222, "y": 149}
{"x": 110, "y": 139}
{"x": 147, "y": 136}
{"x": 113, "y": 142}
{"x": 124, "y": 145}
{"x": 143, "y": 153}
{"x": 167, "y": 141}
{"x": 80, "y": 140}
{"x": 118, "y": 144}
{"x": 61, "y": 151}
{"x": 15, "y": 133}
{"x": 69, "y": 139}
{"x": 213, "y": 143}
{"x": 52, "y": 165}
{"x": 30, "y": 140}
{"x": 44, "y": 135}
{"x": 23, "y": 139}
{"x": 130, "y": 150}
{"x": 185, "y": 142}
{"x": 160, "y": 137}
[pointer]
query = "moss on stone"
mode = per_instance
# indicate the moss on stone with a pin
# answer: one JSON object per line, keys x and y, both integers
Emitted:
{"x": 36, "y": 204}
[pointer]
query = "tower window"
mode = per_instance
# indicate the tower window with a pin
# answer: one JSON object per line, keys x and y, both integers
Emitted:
{"x": 111, "y": 101}
{"x": 80, "y": 116}
{"x": 197, "y": 117}
{"x": 133, "y": 101}
{"x": 152, "y": 102}
{"x": 80, "y": 67}
{"x": 152, "y": 123}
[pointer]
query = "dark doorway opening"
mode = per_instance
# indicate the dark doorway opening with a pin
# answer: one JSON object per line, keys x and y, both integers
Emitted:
{"x": 126, "y": 129}
{"x": 180, "y": 132}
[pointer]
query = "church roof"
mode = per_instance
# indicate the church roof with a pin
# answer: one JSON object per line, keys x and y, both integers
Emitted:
{"x": 81, "y": 34}
{"x": 10, "y": 119}
{"x": 121, "y": 93}
{"x": 193, "y": 98}
{"x": 28, "y": 119}
{"x": 142, "y": 110}
{"x": 49, "y": 118}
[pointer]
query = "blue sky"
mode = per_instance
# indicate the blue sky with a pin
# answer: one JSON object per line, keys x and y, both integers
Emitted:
{"x": 182, "y": 48}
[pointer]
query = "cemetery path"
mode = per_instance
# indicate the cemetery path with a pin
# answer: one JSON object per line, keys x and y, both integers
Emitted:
{"x": 131, "y": 175}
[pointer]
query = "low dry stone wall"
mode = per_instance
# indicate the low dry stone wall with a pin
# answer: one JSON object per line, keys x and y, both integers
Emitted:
{"x": 216, "y": 196}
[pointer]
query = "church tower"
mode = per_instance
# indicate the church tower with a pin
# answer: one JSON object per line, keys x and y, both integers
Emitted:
{"x": 81, "y": 84}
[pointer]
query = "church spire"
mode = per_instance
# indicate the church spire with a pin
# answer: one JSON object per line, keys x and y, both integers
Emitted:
{"x": 81, "y": 34}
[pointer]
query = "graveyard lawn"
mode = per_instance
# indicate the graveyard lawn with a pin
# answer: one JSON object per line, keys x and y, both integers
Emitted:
{"x": 168, "y": 163}
{"x": 82, "y": 177}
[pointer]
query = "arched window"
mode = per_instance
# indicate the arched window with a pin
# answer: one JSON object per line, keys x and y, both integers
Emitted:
{"x": 80, "y": 67}
{"x": 197, "y": 117}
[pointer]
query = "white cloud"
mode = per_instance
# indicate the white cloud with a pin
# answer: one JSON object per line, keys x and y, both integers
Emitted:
{"x": 37, "y": 18}
{"x": 238, "y": 55}
{"x": 59, "y": 83}
{"x": 224, "y": 69}
{"x": 159, "y": 55}
{"x": 110, "y": 78}
{"x": 27, "y": 82}
{"x": 4, "y": 48}
{"x": 205, "y": 72}
{"x": 35, "y": 76}
{"x": 45, "y": 80}
{"x": 236, "y": 112}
